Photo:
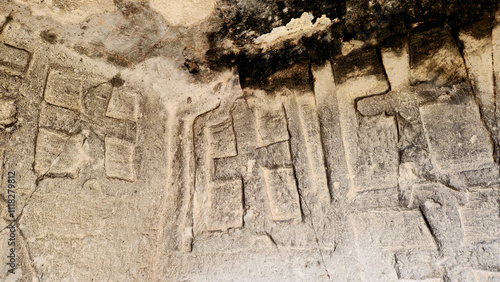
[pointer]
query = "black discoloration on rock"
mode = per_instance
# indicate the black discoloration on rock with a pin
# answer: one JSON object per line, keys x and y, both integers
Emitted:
{"x": 253, "y": 68}
{"x": 49, "y": 36}
{"x": 426, "y": 40}
{"x": 297, "y": 76}
{"x": 191, "y": 66}
{"x": 482, "y": 28}
{"x": 438, "y": 51}
{"x": 360, "y": 62}
{"x": 387, "y": 21}
{"x": 227, "y": 39}
{"x": 117, "y": 81}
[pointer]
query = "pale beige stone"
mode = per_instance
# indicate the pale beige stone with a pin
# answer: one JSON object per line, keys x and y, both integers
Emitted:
{"x": 397, "y": 66}
{"x": 58, "y": 118}
{"x": 59, "y": 154}
{"x": 222, "y": 140}
{"x": 8, "y": 111}
{"x": 14, "y": 59}
{"x": 69, "y": 11}
{"x": 282, "y": 194}
{"x": 271, "y": 124}
{"x": 184, "y": 13}
{"x": 63, "y": 90}
{"x": 378, "y": 159}
{"x": 137, "y": 161}
{"x": 478, "y": 218}
{"x": 119, "y": 159}
{"x": 457, "y": 138}
{"x": 225, "y": 205}
{"x": 123, "y": 105}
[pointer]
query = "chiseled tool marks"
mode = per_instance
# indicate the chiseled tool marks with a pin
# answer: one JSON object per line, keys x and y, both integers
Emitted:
{"x": 282, "y": 193}
{"x": 309, "y": 163}
{"x": 119, "y": 159}
{"x": 224, "y": 196}
{"x": 178, "y": 207}
{"x": 480, "y": 218}
{"x": 270, "y": 123}
{"x": 64, "y": 89}
{"x": 231, "y": 147}
{"x": 438, "y": 205}
{"x": 58, "y": 154}
{"x": 478, "y": 57}
{"x": 435, "y": 56}
{"x": 406, "y": 230}
{"x": 280, "y": 182}
{"x": 330, "y": 130}
{"x": 74, "y": 104}
{"x": 457, "y": 142}
{"x": 356, "y": 75}
{"x": 123, "y": 105}
{"x": 225, "y": 205}
{"x": 302, "y": 110}
{"x": 377, "y": 166}
{"x": 257, "y": 173}
{"x": 227, "y": 157}
{"x": 14, "y": 60}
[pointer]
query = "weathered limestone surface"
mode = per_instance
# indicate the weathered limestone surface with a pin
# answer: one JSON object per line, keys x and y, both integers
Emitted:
{"x": 190, "y": 141}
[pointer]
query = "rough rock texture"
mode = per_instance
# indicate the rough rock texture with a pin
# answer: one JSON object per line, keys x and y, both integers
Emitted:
{"x": 249, "y": 140}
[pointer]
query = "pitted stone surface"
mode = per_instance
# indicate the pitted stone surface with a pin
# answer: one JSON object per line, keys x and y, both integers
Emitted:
{"x": 59, "y": 154}
{"x": 250, "y": 140}
{"x": 63, "y": 90}
{"x": 457, "y": 142}
{"x": 14, "y": 59}
{"x": 119, "y": 159}
{"x": 123, "y": 105}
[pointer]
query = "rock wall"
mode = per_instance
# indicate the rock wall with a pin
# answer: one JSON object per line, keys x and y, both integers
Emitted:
{"x": 249, "y": 140}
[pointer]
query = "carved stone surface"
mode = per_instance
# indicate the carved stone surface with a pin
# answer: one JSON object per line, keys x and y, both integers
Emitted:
{"x": 119, "y": 159}
{"x": 58, "y": 154}
{"x": 63, "y": 90}
{"x": 123, "y": 105}
{"x": 14, "y": 59}
{"x": 456, "y": 142}
{"x": 251, "y": 141}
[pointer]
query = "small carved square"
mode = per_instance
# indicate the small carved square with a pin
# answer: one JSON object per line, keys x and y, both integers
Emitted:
{"x": 59, "y": 154}
{"x": 123, "y": 105}
{"x": 119, "y": 159}
{"x": 58, "y": 118}
{"x": 222, "y": 139}
{"x": 95, "y": 100}
{"x": 63, "y": 90}
{"x": 13, "y": 58}
{"x": 457, "y": 138}
{"x": 225, "y": 205}
{"x": 271, "y": 125}
{"x": 282, "y": 194}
